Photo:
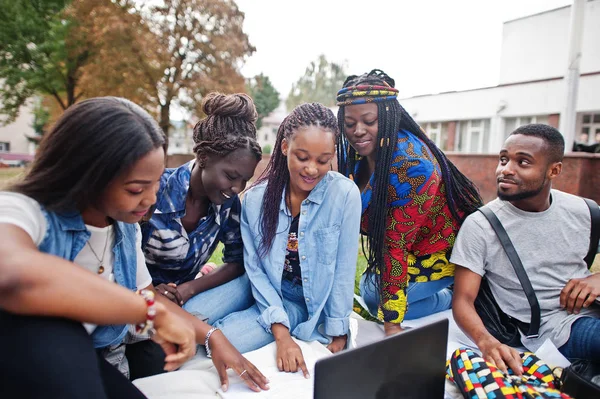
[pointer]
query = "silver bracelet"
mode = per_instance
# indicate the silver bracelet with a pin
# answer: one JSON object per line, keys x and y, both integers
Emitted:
{"x": 208, "y": 334}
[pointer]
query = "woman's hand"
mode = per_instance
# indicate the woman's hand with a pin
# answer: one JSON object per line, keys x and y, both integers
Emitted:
{"x": 337, "y": 344}
{"x": 290, "y": 358}
{"x": 171, "y": 292}
{"x": 175, "y": 335}
{"x": 225, "y": 356}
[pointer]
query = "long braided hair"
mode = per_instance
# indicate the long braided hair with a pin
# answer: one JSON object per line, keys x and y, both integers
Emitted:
{"x": 277, "y": 174}
{"x": 461, "y": 194}
{"x": 229, "y": 125}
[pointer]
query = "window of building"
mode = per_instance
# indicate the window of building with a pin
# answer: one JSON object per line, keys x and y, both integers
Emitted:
{"x": 4, "y": 146}
{"x": 590, "y": 125}
{"x": 512, "y": 123}
{"x": 438, "y": 133}
{"x": 473, "y": 136}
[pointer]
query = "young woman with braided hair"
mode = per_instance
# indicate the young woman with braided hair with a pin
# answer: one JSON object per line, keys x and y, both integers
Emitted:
{"x": 198, "y": 206}
{"x": 413, "y": 201}
{"x": 300, "y": 225}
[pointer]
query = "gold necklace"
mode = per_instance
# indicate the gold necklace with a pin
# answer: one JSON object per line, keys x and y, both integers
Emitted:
{"x": 100, "y": 261}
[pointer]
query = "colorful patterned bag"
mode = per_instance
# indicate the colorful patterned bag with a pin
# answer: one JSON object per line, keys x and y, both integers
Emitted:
{"x": 478, "y": 379}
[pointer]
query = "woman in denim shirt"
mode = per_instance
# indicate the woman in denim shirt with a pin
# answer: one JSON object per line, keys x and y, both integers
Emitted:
{"x": 71, "y": 261}
{"x": 300, "y": 225}
{"x": 198, "y": 206}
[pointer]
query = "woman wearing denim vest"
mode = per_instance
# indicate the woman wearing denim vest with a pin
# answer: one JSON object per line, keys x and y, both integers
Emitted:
{"x": 198, "y": 206}
{"x": 71, "y": 261}
{"x": 300, "y": 225}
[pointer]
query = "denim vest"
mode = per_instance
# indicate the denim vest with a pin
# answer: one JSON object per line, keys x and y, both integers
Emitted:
{"x": 66, "y": 236}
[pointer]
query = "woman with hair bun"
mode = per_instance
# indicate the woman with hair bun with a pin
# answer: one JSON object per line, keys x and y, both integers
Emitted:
{"x": 198, "y": 206}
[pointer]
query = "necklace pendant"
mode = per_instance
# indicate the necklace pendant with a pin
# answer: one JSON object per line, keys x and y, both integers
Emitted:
{"x": 100, "y": 269}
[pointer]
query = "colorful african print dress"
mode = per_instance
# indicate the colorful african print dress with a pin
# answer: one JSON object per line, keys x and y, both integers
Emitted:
{"x": 420, "y": 229}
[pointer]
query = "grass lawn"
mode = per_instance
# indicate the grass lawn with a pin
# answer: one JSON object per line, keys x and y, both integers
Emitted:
{"x": 8, "y": 175}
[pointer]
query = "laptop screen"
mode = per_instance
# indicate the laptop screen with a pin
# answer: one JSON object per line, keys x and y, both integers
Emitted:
{"x": 407, "y": 365}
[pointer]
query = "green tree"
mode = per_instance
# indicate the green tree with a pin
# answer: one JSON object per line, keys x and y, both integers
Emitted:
{"x": 265, "y": 96}
{"x": 46, "y": 47}
{"x": 267, "y": 148}
{"x": 199, "y": 47}
{"x": 320, "y": 83}
{"x": 34, "y": 56}
{"x": 41, "y": 116}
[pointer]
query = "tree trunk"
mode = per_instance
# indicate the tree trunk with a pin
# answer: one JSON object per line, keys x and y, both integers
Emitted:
{"x": 70, "y": 86}
{"x": 165, "y": 121}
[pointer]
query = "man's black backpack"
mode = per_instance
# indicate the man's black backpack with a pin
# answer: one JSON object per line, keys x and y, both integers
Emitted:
{"x": 502, "y": 326}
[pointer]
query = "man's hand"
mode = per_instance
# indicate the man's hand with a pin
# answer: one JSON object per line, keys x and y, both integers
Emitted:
{"x": 392, "y": 328}
{"x": 580, "y": 292}
{"x": 337, "y": 344}
{"x": 502, "y": 356}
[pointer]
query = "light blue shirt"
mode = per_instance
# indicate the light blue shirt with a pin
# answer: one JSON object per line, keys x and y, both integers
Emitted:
{"x": 328, "y": 234}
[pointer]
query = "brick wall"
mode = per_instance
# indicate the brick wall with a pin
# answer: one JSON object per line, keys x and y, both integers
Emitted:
{"x": 580, "y": 174}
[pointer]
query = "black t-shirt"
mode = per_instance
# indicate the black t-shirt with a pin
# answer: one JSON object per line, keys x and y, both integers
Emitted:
{"x": 291, "y": 268}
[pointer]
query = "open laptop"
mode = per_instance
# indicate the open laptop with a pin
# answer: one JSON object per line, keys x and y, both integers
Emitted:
{"x": 407, "y": 365}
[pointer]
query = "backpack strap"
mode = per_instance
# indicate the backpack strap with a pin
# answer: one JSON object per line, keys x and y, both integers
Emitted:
{"x": 515, "y": 261}
{"x": 594, "y": 232}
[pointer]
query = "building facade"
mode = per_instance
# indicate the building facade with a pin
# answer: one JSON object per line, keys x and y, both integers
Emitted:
{"x": 531, "y": 87}
{"x": 13, "y": 137}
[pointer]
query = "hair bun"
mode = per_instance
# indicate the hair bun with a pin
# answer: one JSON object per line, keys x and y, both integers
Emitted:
{"x": 237, "y": 105}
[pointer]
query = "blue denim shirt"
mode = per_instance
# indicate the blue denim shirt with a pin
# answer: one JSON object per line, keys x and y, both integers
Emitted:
{"x": 66, "y": 236}
{"x": 328, "y": 246}
{"x": 176, "y": 256}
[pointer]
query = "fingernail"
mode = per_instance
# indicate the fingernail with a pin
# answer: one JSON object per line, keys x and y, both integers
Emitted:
{"x": 224, "y": 387}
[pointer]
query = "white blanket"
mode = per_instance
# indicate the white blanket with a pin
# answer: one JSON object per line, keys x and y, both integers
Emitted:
{"x": 198, "y": 378}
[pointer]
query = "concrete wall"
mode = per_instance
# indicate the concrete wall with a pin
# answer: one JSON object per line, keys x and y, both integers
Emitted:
{"x": 536, "y": 47}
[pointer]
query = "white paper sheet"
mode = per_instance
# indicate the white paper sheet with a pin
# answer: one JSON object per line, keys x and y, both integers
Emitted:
{"x": 281, "y": 384}
{"x": 551, "y": 355}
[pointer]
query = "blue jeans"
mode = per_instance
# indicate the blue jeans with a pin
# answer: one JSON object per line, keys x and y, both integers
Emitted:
{"x": 584, "y": 341}
{"x": 246, "y": 334}
{"x": 220, "y": 301}
{"x": 423, "y": 298}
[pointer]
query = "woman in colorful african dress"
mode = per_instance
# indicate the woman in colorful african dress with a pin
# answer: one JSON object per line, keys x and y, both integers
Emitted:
{"x": 413, "y": 201}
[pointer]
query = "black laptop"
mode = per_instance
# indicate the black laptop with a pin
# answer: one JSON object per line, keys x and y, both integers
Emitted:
{"x": 407, "y": 365}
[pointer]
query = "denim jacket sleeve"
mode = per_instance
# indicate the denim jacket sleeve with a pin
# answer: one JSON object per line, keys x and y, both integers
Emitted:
{"x": 266, "y": 296}
{"x": 339, "y": 304}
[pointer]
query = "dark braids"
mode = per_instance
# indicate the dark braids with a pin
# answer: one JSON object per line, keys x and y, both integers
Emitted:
{"x": 276, "y": 173}
{"x": 461, "y": 194}
{"x": 229, "y": 125}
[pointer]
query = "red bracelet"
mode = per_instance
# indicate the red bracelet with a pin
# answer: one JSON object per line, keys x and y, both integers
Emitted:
{"x": 147, "y": 327}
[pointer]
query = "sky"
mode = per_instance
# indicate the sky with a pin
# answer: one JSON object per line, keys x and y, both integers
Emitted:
{"x": 427, "y": 46}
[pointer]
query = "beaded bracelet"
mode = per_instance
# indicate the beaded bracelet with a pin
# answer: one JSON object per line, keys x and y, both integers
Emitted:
{"x": 147, "y": 327}
{"x": 208, "y": 334}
